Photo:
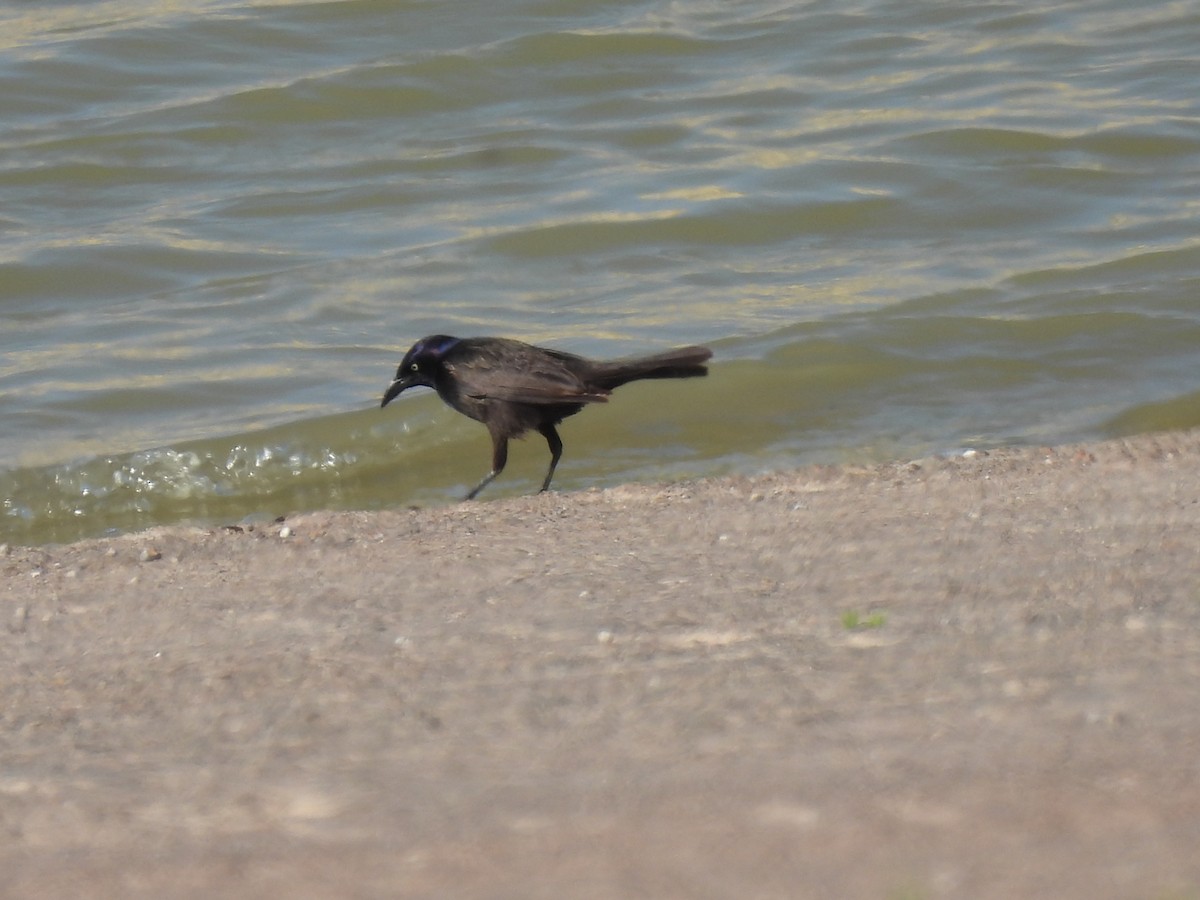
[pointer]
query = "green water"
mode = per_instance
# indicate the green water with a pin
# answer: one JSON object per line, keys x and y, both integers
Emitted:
{"x": 903, "y": 227}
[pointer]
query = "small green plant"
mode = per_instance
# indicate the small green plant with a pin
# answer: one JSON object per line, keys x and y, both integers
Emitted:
{"x": 852, "y": 620}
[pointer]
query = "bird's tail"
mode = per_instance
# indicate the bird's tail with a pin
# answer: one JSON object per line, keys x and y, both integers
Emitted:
{"x": 684, "y": 362}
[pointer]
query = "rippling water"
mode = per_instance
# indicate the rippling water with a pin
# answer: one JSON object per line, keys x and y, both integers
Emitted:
{"x": 904, "y": 227}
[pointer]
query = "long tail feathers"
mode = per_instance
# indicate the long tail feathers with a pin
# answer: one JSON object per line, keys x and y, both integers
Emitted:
{"x": 684, "y": 362}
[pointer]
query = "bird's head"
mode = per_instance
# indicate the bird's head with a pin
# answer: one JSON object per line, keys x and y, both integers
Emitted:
{"x": 420, "y": 366}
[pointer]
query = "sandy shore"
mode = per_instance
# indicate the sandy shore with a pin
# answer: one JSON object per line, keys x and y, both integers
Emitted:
{"x": 969, "y": 678}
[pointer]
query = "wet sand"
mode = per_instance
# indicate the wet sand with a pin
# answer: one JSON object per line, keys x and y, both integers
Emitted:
{"x": 950, "y": 678}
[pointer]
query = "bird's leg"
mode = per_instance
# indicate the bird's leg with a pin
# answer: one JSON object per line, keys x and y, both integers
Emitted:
{"x": 549, "y": 432}
{"x": 499, "y": 458}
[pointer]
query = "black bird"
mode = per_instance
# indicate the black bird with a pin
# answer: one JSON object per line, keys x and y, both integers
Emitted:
{"x": 512, "y": 387}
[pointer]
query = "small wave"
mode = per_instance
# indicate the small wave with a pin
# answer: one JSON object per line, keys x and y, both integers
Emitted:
{"x": 330, "y": 462}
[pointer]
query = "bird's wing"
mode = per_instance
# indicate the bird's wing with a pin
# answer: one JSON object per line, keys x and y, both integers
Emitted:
{"x": 519, "y": 388}
{"x": 540, "y": 380}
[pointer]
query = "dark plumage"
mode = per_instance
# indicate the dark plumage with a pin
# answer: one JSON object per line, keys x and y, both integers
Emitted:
{"x": 512, "y": 387}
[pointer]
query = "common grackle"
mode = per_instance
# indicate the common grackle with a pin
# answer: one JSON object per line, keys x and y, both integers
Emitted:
{"x": 512, "y": 387}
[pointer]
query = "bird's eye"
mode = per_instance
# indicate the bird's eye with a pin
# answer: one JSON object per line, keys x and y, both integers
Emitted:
{"x": 415, "y": 367}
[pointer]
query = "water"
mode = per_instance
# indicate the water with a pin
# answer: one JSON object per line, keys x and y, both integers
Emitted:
{"x": 904, "y": 227}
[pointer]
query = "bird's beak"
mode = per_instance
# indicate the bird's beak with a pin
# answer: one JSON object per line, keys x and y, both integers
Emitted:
{"x": 402, "y": 383}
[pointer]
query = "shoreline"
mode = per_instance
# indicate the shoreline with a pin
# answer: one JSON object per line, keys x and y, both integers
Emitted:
{"x": 947, "y": 677}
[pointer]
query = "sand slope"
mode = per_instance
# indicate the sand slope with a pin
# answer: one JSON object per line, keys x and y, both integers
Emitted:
{"x": 640, "y": 692}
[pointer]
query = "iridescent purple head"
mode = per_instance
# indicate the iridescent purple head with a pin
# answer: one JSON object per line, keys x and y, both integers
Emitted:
{"x": 420, "y": 365}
